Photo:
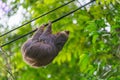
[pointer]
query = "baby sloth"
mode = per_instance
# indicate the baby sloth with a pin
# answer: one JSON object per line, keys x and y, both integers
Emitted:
{"x": 44, "y": 46}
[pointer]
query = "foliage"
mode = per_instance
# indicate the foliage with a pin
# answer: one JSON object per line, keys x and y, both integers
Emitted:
{"x": 91, "y": 53}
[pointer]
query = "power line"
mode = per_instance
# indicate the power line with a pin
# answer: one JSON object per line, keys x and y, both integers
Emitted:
{"x": 37, "y": 18}
{"x": 47, "y": 24}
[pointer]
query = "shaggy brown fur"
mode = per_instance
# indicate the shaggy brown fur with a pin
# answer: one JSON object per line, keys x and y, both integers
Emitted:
{"x": 42, "y": 48}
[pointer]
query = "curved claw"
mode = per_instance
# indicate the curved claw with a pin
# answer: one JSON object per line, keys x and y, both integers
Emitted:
{"x": 50, "y": 22}
{"x": 43, "y": 26}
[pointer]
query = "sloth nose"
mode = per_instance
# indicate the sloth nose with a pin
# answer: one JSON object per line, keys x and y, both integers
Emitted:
{"x": 67, "y": 32}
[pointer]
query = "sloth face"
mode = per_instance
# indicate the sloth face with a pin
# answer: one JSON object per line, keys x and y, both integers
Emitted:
{"x": 61, "y": 39}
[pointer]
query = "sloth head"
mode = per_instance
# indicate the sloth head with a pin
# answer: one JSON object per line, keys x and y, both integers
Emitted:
{"x": 61, "y": 38}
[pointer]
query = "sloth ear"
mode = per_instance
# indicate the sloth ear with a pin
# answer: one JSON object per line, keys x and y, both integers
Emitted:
{"x": 67, "y": 32}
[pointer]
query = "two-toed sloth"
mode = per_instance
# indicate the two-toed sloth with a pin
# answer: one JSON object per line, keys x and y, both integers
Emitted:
{"x": 42, "y": 48}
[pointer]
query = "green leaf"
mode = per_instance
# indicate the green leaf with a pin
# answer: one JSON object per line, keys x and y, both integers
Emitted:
{"x": 94, "y": 39}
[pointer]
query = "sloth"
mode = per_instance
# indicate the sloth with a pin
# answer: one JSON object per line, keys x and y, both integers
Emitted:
{"x": 44, "y": 46}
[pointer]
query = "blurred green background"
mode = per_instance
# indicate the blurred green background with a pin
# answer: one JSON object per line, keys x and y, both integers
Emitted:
{"x": 91, "y": 53}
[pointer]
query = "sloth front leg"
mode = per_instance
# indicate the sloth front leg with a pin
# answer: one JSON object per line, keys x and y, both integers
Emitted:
{"x": 48, "y": 29}
{"x": 38, "y": 33}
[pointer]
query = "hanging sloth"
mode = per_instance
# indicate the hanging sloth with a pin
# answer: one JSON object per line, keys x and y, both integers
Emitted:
{"x": 44, "y": 46}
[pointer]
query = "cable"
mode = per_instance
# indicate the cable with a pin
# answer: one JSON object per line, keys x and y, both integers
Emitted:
{"x": 47, "y": 24}
{"x": 37, "y": 18}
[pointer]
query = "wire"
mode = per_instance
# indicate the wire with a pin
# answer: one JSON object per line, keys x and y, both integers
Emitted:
{"x": 47, "y": 23}
{"x": 36, "y": 18}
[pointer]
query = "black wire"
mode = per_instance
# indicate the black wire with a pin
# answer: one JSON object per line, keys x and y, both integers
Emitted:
{"x": 47, "y": 23}
{"x": 36, "y": 18}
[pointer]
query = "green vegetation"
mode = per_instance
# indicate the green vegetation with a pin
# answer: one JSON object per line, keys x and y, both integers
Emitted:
{"x": 91, "y": 53}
